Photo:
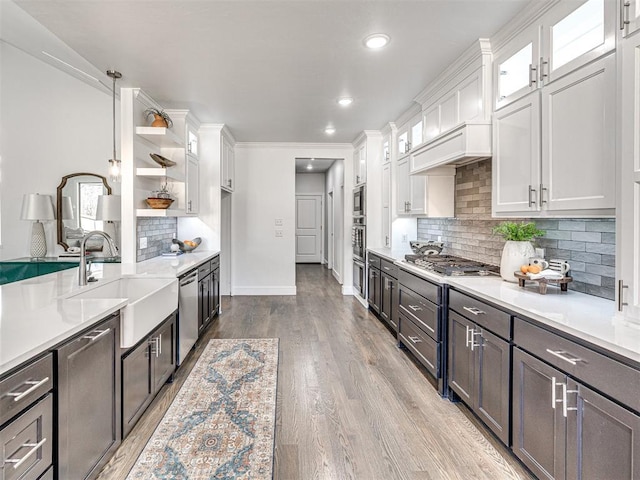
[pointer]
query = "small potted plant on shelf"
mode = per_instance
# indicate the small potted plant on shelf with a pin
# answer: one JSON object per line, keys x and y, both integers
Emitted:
{"x": 518, "y": 248}
{"x": 161, "y": 119}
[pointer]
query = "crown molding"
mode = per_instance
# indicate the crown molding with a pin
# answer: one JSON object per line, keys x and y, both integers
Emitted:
{"x": 408, "y": 114}
{"x": 525, "y": 18}
{"x": 295, "y": 145}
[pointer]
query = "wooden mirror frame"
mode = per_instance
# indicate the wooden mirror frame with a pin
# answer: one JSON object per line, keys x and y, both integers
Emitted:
{"x": 59, "y": 219}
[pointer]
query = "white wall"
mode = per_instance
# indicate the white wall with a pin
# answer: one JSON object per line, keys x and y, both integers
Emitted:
{"x": 335, "y": 184}
{"x": 52, "y": 125}
{"x": 265, "y": 191}
{"x": 310, "y": 183}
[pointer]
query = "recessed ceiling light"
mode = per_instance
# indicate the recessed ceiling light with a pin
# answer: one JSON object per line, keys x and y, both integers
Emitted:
{"x": 309, "y": 167}
{"x": 377, "y": 40}
{"x": 345, "y": 101}
{"x": 329, "y": 130}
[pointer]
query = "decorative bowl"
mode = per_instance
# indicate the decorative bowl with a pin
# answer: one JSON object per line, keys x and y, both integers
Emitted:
{"x": 159, "y": 203}
{"x": 185, "y": 247}
{"x": 162, "y": 161}
{"x": 426, "y": 248}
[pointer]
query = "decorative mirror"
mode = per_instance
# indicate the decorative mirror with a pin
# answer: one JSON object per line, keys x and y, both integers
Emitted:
{"x": 77, "y": 209}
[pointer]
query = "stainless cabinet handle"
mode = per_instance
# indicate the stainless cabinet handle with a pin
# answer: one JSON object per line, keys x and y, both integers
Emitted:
{"x": 532, "y": 200}
{"x": 19, "y": 461}
{"x": 624, "y": 8}
{"x": 189, "y": 206}
{"x": 473, "y": 338}
{"x": 101, "y": 333}
{"x": 160, "y": 344}
{"x": 386, "y": 268}
{"x": 415, "y": 308}
{"x": 565, "y": 407}
{"x": 542, "y": 68}
{"x": 229, "y": 183}
{"x": 542, "y": 190}
{"x": 415, "y": 339}
{"x": 153, "y": 342}
{"x": 474, "y": 310}
{"x": 35, "y": 384}
{"x": 554, "y": 400}
{"x": 532, "y": 75}
{"x": 467, "y": 341}
{"x": 559, "y": 354}
{"x": 621, "y": 302}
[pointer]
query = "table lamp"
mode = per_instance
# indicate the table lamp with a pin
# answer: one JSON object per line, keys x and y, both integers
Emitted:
{"x": 37, "y": 207}
{"x": 108, "y": 210}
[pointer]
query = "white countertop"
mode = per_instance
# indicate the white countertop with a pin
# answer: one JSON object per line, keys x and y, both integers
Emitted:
{"x": 392, "y": 255}
{"x": 592, "y": 319}
{"x": 35, "y": 314}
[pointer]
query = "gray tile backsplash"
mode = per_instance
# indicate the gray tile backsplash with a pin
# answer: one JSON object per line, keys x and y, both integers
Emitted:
{"x": 159, "y": 233}
{"x": 587, "y": 244}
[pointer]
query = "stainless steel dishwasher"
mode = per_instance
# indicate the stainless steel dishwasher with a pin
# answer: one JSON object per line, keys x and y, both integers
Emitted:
{"x": 187, "y": 314}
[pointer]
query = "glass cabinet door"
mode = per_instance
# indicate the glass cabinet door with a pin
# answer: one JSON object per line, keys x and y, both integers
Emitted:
{"x": 629, "y": 16}
{"x": 515, "y": 69}
{"x": 574, "y": 36}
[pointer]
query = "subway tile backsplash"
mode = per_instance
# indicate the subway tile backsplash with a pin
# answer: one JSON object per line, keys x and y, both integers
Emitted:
{"x": 587, "y": 244}
{"x": 159, "y": 233}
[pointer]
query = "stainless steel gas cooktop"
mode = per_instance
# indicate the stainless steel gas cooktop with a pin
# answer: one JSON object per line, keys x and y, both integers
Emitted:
{"x": 449, "y": 265}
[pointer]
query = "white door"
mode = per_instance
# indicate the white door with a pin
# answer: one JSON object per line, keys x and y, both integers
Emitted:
{"x": 308, "y": 228}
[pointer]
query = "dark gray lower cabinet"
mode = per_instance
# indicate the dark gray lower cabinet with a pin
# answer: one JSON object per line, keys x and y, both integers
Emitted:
{"x": 389, "y": 300}
{"x": 373, "y": 288}
{"x": 563, "y": 429}
{"x": 479, "y": 363}
{"x": 145, "y": 369}
{"x": 88, "y": 400}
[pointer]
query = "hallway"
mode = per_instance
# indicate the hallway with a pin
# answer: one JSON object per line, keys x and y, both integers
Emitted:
{"x": 350, "y": 405}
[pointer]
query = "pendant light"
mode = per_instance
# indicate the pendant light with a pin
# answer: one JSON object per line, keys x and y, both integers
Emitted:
{"x": 114, "y": 163}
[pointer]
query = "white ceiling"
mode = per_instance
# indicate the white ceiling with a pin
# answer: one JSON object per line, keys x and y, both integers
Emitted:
{"x": 319, "y": 165}
{"x": 272, "y": 70}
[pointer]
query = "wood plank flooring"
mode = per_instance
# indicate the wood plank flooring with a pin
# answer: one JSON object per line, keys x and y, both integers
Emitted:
{"x": 351, "y": 405}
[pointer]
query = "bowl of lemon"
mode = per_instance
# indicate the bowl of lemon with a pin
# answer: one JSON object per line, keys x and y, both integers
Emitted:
{"x": 187, "y": 246}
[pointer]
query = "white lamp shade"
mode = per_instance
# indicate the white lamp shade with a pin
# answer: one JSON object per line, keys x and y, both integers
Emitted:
{"x": 37, "y": 207}
{"x": 67, "y": 208}
{"x": 108, "y": 208}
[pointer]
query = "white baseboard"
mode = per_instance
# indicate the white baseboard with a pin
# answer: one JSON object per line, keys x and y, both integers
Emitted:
{"x": 348, "y": 290}
{"x": 263, "y": 291}
{"x": 336, "y": 275}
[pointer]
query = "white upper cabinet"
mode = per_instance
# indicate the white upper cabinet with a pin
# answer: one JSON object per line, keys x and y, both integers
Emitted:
{"x": 565, "y": 38}
{"x": 227, "y": 162}
{"x": 192, "y": 140}
{"x": 386, "y": 204}
{"x": 554, "y": 150}
{"x": 192, "y": 190}
{"x": 404, "y": 145}
{"x": 628, "y": 208}
{"x": 516, "y": 159}
{"x": 360, "y": 163}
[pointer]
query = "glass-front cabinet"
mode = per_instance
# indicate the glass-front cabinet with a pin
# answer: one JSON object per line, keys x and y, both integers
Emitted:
{"x": 629, "y": 16}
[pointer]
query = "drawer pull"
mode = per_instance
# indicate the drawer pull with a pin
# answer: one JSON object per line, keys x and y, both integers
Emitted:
{"x": 101, "y": 333}
{"x": 415, "y": 339}
{"x": 35, "y": 384}
{"x": 415, "y": 308}
{"x": 559, "y": 354}
{"x": 19, "y": 461}
{"x": 474, "y": 310}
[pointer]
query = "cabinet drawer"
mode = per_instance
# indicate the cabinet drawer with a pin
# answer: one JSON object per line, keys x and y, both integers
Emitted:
{"x": 428, "y": 290}
{"x": 27, "y": 442}
{"x": 421, "y": 345}
{"x": 25, "y": 386}
{"x": 373, "y": 261}
{"x": 389, "y": 268}
{"x": 204, "y": 270}
{"x": 215, "y": 262}
{"x": 482, "y": 313}
{"x": 422, "y": 312}
{"x": 611, "y": 377}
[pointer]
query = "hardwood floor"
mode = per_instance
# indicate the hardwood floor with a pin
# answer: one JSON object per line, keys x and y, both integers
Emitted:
{"x": 351, "y": 405}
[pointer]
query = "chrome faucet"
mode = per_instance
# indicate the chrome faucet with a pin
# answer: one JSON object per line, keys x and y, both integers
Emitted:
{"x": 82, "y": 272}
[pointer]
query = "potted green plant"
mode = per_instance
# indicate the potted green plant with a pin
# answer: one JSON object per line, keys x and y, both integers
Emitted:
{"x": 161, "y": 118}
{"x": 517, "y": 248}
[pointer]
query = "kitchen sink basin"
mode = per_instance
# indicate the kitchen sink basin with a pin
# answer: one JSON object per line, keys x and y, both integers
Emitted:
{"x": 151, "y": 300}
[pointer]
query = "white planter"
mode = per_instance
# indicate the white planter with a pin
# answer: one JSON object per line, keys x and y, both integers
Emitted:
{"x": 514, "y": 255}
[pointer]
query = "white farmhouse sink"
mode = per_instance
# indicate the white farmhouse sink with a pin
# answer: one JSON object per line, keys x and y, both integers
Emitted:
{"x": 151, "y": 300}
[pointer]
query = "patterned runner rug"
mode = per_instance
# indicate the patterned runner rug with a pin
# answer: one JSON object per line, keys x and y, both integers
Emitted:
{"x": 221, "y": 423}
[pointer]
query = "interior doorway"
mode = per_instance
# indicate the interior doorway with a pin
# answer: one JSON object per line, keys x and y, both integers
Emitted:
{"x": 309, "y": 228}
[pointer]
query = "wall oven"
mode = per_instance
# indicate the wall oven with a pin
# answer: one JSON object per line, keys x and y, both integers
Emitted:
{"x": 359, "y": 202}
{"x": 359, "y": 277}
{"x": 358, "y": 240}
